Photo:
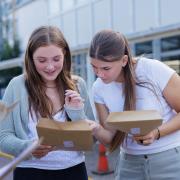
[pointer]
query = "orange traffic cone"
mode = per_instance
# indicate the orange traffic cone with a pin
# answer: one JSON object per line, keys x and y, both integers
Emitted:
{"x": 103, "y": 167}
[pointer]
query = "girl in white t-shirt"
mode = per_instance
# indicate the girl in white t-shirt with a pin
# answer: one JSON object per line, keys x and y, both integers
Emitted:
{"x": 126, "y": 83}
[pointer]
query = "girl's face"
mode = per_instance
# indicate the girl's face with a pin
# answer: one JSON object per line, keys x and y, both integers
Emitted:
{"x": 48, "y": 61}
{"x": 109, "y": 71}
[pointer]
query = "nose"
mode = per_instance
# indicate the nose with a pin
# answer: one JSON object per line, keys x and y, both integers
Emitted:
{"x": 50, "y": 67}
{"x": 100, "y": 74}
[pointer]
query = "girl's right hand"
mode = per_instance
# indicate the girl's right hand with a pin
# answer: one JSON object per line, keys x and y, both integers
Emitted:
{"x": 42, "y": 150}
{"x": 73, "y": 99}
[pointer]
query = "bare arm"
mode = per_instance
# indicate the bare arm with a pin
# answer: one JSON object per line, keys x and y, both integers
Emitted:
{"x": 102, "y": 132}
{"x": 171, "y": 94}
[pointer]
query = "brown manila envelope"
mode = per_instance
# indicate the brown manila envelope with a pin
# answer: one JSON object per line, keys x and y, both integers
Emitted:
{"x": 135, "y": 122}
{"x": 71, "y": 136}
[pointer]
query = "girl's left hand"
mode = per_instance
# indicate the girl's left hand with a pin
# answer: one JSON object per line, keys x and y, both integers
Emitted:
{"x": 95, "y": 127}
{"x": 146, "y": 139}
{"x": 73, "y": 99}
{"x": 42, "y": 151}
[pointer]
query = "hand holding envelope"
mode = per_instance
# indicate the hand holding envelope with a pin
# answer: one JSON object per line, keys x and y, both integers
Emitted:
{"x": 70, "y": 136}
{"x": 141, "y": 124}
{"x": 135, "y": 122}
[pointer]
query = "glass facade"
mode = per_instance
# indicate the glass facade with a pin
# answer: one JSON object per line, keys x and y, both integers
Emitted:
{"x": 79, "y": 65}
{"x": 143, "y": 48}
{"x": 170, "y": 43}
{"x": 168, "y": 50}
{"x": 6, "y": 75}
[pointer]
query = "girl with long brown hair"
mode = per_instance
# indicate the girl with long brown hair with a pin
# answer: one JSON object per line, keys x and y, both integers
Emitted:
{"x": 127, "y": 83}
{"x": 46, "y": 89}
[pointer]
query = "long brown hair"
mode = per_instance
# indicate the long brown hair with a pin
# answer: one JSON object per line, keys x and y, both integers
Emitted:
{"x": 38, "y": 100}
{"x": 109, "y": 46}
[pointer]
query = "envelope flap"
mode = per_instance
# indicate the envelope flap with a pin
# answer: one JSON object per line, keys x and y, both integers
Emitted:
{"x": 68, "y": 125}
{"x": 130, "y": 116}
{"x": 74, "y": 135}
{"x": 135, "y": 122}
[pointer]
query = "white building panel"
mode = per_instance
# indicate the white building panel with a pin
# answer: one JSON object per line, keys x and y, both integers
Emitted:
{"x": 102, "y": 15}
{"x": 69, "y": 27}
{"x": 122, "y": 16}
{"x": 84, "y": 24}
{"x": 169, "y": 12}
{"x": 145, "y": 15}
{"x": 56, "y": 21}
{"x": 30, "y": 17}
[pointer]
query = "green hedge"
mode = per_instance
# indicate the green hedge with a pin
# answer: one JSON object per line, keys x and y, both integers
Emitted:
{"x": 8, "y": 51}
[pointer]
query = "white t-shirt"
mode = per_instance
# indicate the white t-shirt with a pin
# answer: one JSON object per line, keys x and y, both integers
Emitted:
{"x": 111, "y": 95}
{"x": 54, "y": 160}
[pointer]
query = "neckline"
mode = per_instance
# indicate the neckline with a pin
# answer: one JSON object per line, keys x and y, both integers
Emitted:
{"x": 59, "y": 110}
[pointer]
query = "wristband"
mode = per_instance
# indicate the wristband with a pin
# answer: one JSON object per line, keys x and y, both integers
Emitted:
{"x": 159, "y": 135}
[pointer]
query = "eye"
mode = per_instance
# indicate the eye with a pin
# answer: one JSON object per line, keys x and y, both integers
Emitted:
{"x": 41, "y": 60}
{"x": 106, "y": 68}
{"x": 57, "y": 58}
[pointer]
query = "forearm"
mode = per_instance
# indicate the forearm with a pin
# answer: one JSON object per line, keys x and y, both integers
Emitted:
{"x": 103, "y": 135}
{"x": 75, "y": 113}
{"x": 12, "y": 145}
{"x": 171, "y": 126}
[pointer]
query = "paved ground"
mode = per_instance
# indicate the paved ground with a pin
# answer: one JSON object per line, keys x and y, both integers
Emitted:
{"x": 3, "y": 162}
{"x": 91, "y": 163}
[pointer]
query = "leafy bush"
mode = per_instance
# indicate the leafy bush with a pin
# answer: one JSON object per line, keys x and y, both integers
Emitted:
{"x": 9, "y": 52}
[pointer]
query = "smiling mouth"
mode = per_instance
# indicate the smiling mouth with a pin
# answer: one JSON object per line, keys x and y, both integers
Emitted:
{"x": 50, "y": 72}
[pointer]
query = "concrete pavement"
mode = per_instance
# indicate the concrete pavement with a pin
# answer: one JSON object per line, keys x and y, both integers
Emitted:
{"x": 92, "y": 163}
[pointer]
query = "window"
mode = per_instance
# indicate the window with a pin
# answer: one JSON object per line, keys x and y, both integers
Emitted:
{"x": 6, "y": 8}
{"x": 170, "y": 43}
{"x": 6, "y": 75}
{"x": 79, "y": 65}
{"x": 143, "y": 48}
{"x": 18, "y": 2}
{"x": 21, "y": 2}
{"x": 171, "y": 58}
{"x": 174, "y": 64}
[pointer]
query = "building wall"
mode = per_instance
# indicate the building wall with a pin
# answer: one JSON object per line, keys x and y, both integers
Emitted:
{"x": 169, "y": 12}
{"x": 145, "y": 23}
{"x": 29, "y": 17}
{"x": 81, "y": 20}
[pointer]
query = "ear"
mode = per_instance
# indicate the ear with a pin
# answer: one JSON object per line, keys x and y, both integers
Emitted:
{"x": 124, "y": 60}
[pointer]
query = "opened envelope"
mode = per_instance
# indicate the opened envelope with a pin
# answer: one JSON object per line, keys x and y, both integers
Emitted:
{"x": 71, "y": 136}
{"x": 135, "y": 122}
